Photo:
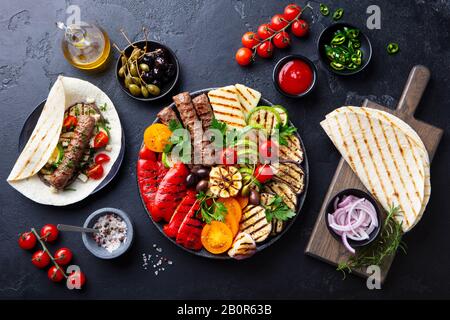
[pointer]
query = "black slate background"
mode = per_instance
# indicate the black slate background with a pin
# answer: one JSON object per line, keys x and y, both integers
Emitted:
{"x": 205, "y": 35}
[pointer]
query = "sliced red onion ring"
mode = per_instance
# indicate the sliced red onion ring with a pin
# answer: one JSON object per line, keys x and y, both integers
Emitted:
{"x": 353, "y": 218}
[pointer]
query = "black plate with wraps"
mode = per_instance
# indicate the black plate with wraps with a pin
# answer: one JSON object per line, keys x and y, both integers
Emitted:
{"x": 259, "y": 247}
{"x": 28, "y": 128}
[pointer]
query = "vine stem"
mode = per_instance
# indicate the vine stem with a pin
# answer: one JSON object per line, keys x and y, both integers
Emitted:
{"x": 44, "y": 247}
{"x": 308, "y": 6}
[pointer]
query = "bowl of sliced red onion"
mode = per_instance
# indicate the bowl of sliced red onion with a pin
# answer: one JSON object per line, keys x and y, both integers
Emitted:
{"x": 353, "y": 218}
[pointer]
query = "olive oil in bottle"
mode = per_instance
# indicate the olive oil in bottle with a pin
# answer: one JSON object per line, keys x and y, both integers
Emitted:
{"x": 85, "y": 46}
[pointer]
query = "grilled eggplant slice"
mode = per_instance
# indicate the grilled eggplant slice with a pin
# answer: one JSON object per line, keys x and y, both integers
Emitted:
{"x": 254, "y": 223}
{"x": 284, "y": 191}
{"x": 291, "y": 174}
{"x": 293, "y": 150}
{"x": 243, "y": 246}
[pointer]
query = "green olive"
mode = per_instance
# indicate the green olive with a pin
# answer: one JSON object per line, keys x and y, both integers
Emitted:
{"x": 144, "y": 67}
{"x": 134, "y": 90}
{"x": 133, "y": 70}
{"x": 121, "y": 71}
{"x": 153, "y": 90}
{"x": 128, "y": 81}
{"x": 245, "y": 191}
{"x": 135, "y": 53}
{"x": 123, "y": 60}
{"x": 136, "y": 80}
{"x": 144, "y": 92}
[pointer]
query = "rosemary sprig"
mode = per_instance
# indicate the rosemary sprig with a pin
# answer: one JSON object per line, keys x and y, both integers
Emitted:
{"x": 388, "y": 242}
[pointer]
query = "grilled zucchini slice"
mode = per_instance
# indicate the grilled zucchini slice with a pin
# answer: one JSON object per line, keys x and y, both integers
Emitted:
{"x": 266, "y": 118}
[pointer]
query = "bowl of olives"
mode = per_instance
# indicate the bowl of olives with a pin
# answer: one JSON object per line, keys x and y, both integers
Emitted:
{"x": 147, "y": 70}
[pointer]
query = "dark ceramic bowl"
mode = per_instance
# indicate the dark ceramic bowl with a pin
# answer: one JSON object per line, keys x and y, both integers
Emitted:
{"x": 280, "y": 65}
{"x": 325, "y": 39}
{"x": 165, "y": 88}
{"x": 99, "y": 251}
{"x": 360, "y": 194}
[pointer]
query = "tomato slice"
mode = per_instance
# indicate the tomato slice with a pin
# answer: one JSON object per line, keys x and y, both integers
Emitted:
{"x": 101, "y": 140}
{"x": 95, "y": 172}
{"x": 216, "y": 237}
{"x": 70, "y": 122}
{"x": 101, "y": 158}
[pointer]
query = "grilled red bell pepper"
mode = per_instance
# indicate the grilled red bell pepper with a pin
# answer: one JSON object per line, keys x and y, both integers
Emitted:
{"x": 171, "y": 229}
{"x": 189, "y": 234}
{"x": 170, "y": 192}
{"x": 150, "y": 174}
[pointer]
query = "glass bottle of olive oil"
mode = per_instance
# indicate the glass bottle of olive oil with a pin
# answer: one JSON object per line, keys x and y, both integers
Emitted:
{"x": 85, "y": 46}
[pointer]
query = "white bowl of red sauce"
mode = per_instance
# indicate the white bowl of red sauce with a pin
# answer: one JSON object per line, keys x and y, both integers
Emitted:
{"x": 294, "y": 76}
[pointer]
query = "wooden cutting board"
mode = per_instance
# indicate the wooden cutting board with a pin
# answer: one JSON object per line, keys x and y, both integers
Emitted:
{"x": 321, "y": 244}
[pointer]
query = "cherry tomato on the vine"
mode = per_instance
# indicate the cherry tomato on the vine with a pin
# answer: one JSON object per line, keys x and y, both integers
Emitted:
{"x": 263, "y": 173}
{"x": 264, "y": 31}
{"x": 244, "y": 56}
{"x": 291, "y": 11}
{"x": 147, "y": 154}
{"x": 49, "y": 233}
{"x": 278, "y": 22}
{"x": 40, "y": 259}
{"x": 27, "y": 240}
{"x": 267, "y": 150}
{"x": 63, "y": 256}
{"x": 55, "y": 274}
{"x": 229, "y": 156}
{"x": 282, "y": 40}
{"x": 265, "y": 49}
{"x": 300, "y": 28}
{"x": 250, "y": 39}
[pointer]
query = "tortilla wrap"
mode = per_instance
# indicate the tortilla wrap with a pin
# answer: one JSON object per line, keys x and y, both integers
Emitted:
{"x": 64, "y": 93}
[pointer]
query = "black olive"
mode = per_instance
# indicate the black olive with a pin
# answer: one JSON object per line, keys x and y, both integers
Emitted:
{"x": 203, "y": 173}
{"x": 150, "y": 61}
{"x": 161, "y": 62}
{"x": 254, "y": 197}
{"x": 156, "y": 82}
{"x": 157, "y": 73}
{"x": 191, "y": 180}
{"x": 148, "y": 77}
{"x": 202, "y": 186}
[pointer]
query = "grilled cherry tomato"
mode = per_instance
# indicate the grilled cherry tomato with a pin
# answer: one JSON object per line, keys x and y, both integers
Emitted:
{"x": 264, "y": 31}
{"x": 40, "y": 259}
{"x": 101, "y": 158}
{"x": 300, "y": 28}
{"x": 55, "y": 274}
{"x": 282, "y": 40}
{"x": 95, "y": 172}
{"x": 147, "y": 154}
{"x": 278, "y": 22}
{"x": 70, "y": 122}
{"x": 101, "y": 140}
{"x": 291, "y": 11}
{"x": 268, "y": 149}
{"x": 27, "y": 240}
{"x": 244, "y": 56}
{"x": 265, "y": 49}
{"x": 229, "y": 156}
{"x": 49, "y": 233}
{"x": 63, "y": 256}
{"x": 263, "y": 173}
{"x": 77, "y": 278}
{"x": 250, "y": 39}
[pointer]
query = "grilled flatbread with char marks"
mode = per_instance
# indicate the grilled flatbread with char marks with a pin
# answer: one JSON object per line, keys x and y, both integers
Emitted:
{"x": 293, "y": 151}
{"x": 226, "y": 107}
{"x": 254, "y": 223}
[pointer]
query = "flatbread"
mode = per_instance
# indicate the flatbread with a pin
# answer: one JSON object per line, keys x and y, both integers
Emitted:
{"x": 75, "y": 90}
{"x": 391, "y": 167}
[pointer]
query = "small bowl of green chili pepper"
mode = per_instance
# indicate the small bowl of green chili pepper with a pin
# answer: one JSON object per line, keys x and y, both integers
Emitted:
{"x": 344, "y": 49}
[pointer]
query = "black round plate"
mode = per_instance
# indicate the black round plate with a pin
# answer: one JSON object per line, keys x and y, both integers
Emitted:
{"x": 328, "y": 34}
{"x": 300, "y": 199}
{"x": 28, "y": 128}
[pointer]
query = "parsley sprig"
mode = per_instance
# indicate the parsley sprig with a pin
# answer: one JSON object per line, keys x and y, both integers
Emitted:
{"x": 284, "y": 132}
{"x": 178, "y": 140}
{"x": 276, "y": 208}
{"x": 213, "y": 211}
